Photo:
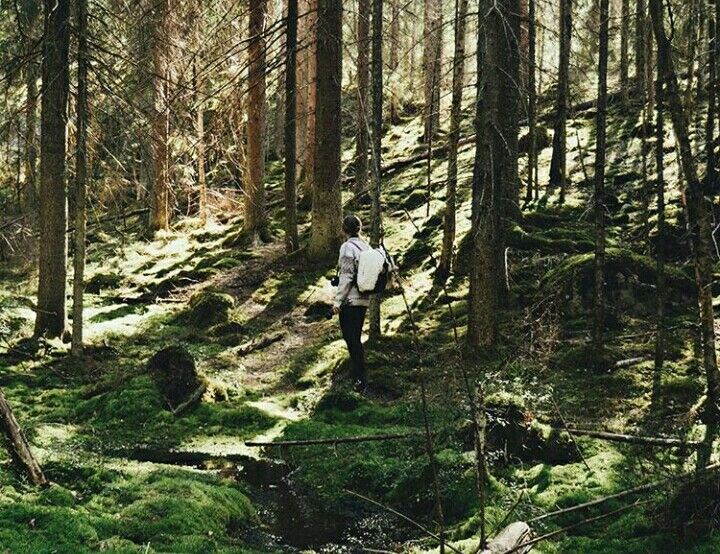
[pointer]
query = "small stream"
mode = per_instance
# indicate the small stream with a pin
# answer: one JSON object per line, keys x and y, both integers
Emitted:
{"x": 293, "y": 523}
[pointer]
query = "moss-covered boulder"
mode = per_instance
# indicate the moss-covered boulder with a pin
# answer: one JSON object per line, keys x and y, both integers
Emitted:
{"x": 102, "y": 281}
{"x": 207, "y": 308}
{"x": 174, "y": 373}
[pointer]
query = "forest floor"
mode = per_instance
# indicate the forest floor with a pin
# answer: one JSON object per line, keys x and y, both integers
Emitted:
{"x": 128, "y": 476}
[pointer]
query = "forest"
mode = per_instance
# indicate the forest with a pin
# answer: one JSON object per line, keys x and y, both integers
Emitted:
{"x": 181, "y": 306}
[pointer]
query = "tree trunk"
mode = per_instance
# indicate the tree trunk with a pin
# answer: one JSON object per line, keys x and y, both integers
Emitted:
{"x": 325, "y": 237}
{"x": 255, "y": 217}
{"x": 532, "y": 184}
{"x": 394, "y": 62}
{"x": 363, "y": 80}
{"x": 640, "y": 48}
{"x": 698, "y": 216}
{"x": 495, "y": 166}
{"x": 51, "y": 315}
{"x": 377, "y": 128}
{"x": 302, "y": 86}
{"x": 81, "y": 171}
{"x": 660, "y": 254}
{"x": 312, "y": 95}
{"x": 445, "y": 265}
{"x": 558, "y": 162}
{"x": 432, "y": 61}
{"x": 291, "y": 227}
{"x": 624, "y": 42}
{"x": 599, "y": 200}
{"x": 160, "y": 201}
{"x": 198, "y": 81}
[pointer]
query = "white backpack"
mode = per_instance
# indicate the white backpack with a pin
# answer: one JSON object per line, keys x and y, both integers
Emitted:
{"x": 374, "y": 266}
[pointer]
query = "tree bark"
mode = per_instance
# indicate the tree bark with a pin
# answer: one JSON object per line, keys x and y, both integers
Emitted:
{"x": 160, "y": 201}
{"x": 599, "y": 200}
{"x": 698, "y": 216}
{"x": 377, "y": 129}
{"x": 532, "y": 165}
{"x": 432, "y": 62}
{"x": 495, "y": 166}
{"x": 325, "y": 238}
{"x": 624, "y": 42}
{"x": 51, "y": 314}
{"x": 311, "y": 155}
{"x": 558, "y": 162}
{"x": 302, "y": 87}
{"x": 445, "y": 264}
{"x": 81, "y": 171}
{"x": 292, "y": 242}
{"x": 363, "y": 80}
{"x": 255, "y": 217}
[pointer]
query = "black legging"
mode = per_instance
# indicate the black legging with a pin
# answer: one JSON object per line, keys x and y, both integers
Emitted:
{"x": 351, "y": 324}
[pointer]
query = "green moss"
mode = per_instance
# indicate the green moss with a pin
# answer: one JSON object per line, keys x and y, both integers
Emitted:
{"x": 207, "y": 308}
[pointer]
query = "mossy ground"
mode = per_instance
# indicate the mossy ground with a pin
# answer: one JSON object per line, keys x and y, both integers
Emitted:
{"x": 80, "y": 414}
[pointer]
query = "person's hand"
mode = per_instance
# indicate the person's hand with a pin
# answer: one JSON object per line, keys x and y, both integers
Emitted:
{"x": 336, "y": 309}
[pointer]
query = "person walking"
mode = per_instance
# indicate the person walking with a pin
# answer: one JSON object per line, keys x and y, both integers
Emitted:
{"x": 350, "y": 304}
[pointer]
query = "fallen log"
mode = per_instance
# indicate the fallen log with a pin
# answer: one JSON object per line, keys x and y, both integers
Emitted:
{"x": 18, "y": 445}
{"x": 260, "y": 343}
{"x": 336, "y": 440}
{"x": 630, "y": 439}
{"x": 514, "y": 538}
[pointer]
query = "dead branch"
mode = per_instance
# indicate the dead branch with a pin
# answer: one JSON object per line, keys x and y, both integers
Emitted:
{"x": 631, "y": 439}
{"x": 333, "y": 441}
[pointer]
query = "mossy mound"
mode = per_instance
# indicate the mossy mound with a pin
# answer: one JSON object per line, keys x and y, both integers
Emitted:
{"x": 629, "y": 280}
{"x": 103, "y": 281}
{"x": 174, "y": 374}
{"x": 207, "y": 308}
{"x": 318, "y": 311}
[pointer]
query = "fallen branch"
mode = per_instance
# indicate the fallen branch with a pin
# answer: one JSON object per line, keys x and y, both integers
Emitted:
{"x": 336, "y": 440}
{"x": 630, "y": 362}
{"x": 628, "y": 492}
{"x": 172, "y": 456}
{"x": 406, "y": 518}
{"x": 631, "y": 439}
{"x": 525, "y": 547}
{"x": 18, "y": 445}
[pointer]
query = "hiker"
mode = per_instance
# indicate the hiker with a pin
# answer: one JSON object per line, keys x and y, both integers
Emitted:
{"x": 350, "y": 304}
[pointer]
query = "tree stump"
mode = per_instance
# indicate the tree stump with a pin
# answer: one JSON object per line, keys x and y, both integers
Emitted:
{"x": 173, "y": 371}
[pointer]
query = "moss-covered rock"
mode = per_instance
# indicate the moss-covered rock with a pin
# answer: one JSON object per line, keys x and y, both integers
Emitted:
{"x": 208, "y": 307}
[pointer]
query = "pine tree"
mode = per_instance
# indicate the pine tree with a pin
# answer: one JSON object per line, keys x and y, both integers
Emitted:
{"x": 325, "y": 237}
{"x": 52, "y": 259}
{"x": 558, "y": 162}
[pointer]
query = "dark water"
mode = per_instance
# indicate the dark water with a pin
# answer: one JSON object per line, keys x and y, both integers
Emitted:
{"x": 293, "y": 522}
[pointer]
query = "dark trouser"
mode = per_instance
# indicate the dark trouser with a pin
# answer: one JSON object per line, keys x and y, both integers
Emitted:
{"x": 351, "y": 324}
